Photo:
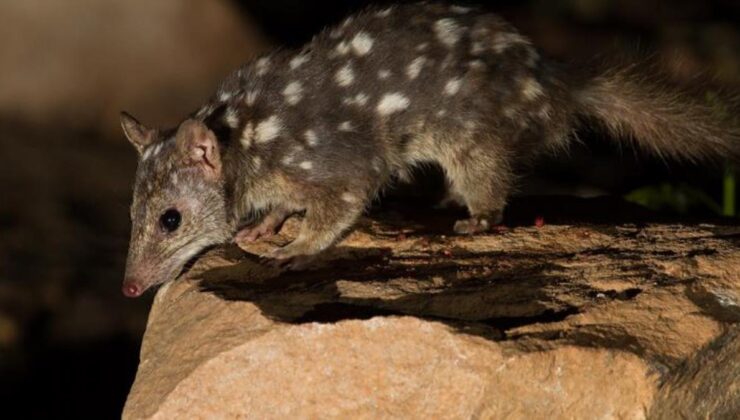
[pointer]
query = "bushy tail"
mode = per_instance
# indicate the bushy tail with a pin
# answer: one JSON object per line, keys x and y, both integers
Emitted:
{"x": 659, "y": 120}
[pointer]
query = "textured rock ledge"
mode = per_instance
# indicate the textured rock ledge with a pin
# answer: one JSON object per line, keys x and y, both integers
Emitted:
{"x": 588, "y": 321}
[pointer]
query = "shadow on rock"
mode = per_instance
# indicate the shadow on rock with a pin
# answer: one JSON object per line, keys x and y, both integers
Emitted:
{"x": 465, "y": 292}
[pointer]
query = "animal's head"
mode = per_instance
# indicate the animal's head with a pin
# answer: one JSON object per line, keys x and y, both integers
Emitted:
{"x": 178, "y": 207}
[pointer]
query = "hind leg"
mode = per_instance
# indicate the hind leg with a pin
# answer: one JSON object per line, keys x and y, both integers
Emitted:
{"x": 481, "y": 175}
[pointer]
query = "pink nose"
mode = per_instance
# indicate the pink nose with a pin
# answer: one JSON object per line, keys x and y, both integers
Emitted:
{"x": 131, "y": 289}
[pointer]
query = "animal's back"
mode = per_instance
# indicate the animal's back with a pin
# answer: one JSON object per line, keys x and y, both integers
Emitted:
{"x": 394, "y": 86}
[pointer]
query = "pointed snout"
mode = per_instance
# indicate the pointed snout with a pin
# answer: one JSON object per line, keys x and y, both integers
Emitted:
{"x": 132, "y": 288}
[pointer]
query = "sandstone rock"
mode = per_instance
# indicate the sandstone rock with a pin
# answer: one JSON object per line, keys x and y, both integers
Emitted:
{"x": 79, "y": 62}
{"x": 562, "y": 321}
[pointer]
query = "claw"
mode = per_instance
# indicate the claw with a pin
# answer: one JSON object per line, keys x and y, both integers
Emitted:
{"x": 252, "y": 233}
{"x": 282, "y": 259}
{"x": 478, "y": 224}
{"x": 471, "y": 226}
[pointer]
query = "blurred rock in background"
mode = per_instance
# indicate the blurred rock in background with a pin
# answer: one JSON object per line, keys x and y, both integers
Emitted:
{"x": 79, "y": 62}
{"x": 67, "y": 336}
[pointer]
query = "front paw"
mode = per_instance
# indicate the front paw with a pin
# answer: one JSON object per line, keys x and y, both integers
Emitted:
{"x": 252, "y": 233}
{"x": 286, "y": 258}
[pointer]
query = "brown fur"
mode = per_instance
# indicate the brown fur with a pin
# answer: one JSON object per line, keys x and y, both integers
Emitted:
{"x": 321, "y": 130}
{"x": 667, "y": 123}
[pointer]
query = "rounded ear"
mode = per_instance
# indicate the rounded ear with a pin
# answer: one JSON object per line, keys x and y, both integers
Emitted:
{"x": 199, "y": 146}
{"x": 136, "y": 133}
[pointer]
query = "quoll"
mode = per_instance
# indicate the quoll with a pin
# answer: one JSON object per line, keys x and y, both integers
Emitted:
{"x": 321, "y": 130}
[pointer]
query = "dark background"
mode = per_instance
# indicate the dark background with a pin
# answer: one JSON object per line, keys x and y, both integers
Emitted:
{"x": 68, "y": 340}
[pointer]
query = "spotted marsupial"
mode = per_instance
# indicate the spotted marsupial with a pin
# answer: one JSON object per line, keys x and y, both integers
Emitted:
{"x": 322, "y": 129}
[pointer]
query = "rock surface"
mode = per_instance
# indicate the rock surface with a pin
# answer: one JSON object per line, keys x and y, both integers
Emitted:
{"x": 563, "y": 321}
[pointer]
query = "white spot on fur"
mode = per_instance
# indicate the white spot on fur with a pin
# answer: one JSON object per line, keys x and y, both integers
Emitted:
{"x": 256, "y": 162}
{"x": 346, "y": 126}
{"x": 441, "y": 113}
{"x": 298, "y": 61}
{"x": 262, "y": 65}
{"x": 422, "y": 47}
{"x": 288, "y": 159}
{"x": 544, "y": 112}
{"x": 360, "y": 99}
{"x": 336, "y": 33}
{"x": 345, "y": 76}
{"x": 268, "y": 129}
{"x": 224, "y": 96}
{"x": 306, "y": 164}
{"x": 477, "y": 65}
{"x": 452, "y": 87}
{"x": 251, "y": 97}
{"x": 413, "y": 69}
{"x": 384, "y": 74}
{"x": 460, "y": 9}
{"x": 293, "y": 92}
{"x": 384, "y": 13}
{"x": 448, "y": 32}
{"x": 247, "y": 135}
{"x": 505, "y": 40}
{"x": 205, "y": 110}
{"x": 531, "y": 88}
{"x": 342, "y": 48}
{"x": 311, "y": 138}
{"x": 231, "y": 118}
{"x": 392, "y": 102}
{"x": 349, "y": 198}
{"x": 362, "y": 43}
{"x": 511, "y": 112}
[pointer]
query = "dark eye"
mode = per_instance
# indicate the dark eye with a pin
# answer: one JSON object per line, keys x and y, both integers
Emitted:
{"x": 170, "y": 220}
